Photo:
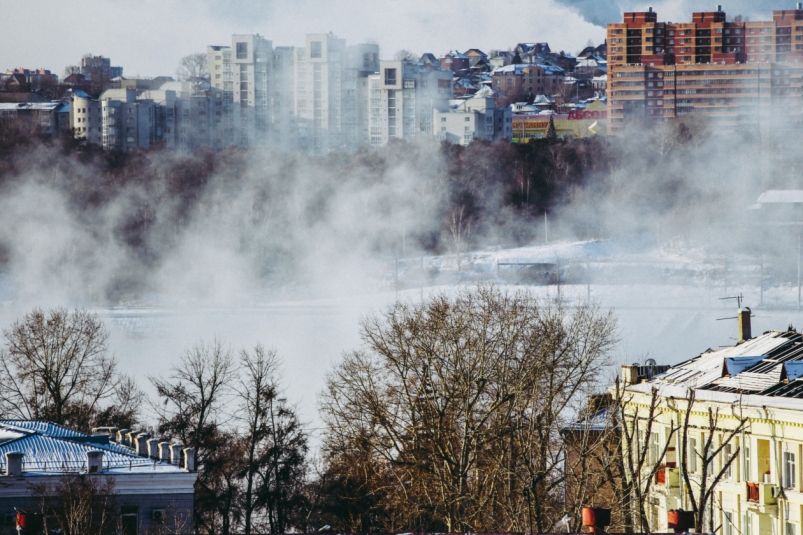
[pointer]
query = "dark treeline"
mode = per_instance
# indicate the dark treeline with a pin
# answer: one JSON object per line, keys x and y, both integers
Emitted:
{"x": 405, "y": 198}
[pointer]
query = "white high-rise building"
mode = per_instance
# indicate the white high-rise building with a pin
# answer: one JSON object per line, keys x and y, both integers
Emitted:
{"x": 402, "y": 98}
{"x": 330, "y": 86}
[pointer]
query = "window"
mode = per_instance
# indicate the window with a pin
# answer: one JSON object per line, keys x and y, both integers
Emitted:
{"x": 692, "y": 454}
{"x": 654, "y": 448}
{"x": 390, "y": 76}
{"x": 789, "y": 529}
{"x": 789, "y": 470}
{"x": 468, "y": 119}
{"x": 242, "y": 50}
{"x": 727, "y": 523}
{"x": 409, "y": 84}
{"x": 747, "y": 524}
{"x": 315, "y": 49}
{"x": 727, "y": 452}
{"x": 747, "y": 468}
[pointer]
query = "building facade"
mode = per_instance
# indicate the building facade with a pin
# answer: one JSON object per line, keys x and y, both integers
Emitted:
{"x": 739, "y": 436}
{"x": 734, "y": 73}
{"x": 402, "y": 98}
{"x": 474, "y": 118}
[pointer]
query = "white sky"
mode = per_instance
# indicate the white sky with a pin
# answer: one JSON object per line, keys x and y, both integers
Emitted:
{"x": 148, "y": 37}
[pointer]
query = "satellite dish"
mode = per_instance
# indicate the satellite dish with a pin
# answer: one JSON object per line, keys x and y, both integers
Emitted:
{"x": 650, "y": 362}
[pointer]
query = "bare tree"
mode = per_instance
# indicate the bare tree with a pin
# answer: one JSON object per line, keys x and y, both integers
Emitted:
{"x": 78, "y": 504}
{"x": 275, "y": 444}
{"x": 703, "y": 468}
{"x": 459, "y": 233}
{"x": 55, "y": 366}
{"x": 192, "y": 399}
{"x": 193, "y": 68}
{"x": 405, "y": 55}
{"x": 459, "y": 402}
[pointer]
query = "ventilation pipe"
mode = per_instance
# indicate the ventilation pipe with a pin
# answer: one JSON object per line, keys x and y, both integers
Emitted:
{"x": 94, "y": 461}
{"x": 131, "y": 439}
{"x": 14, "y": 463}
{"x": 153, "y": 448}
{"x": 649, "y": 9}
{"x": 189, "y": 459}
{"x": 744, "y": 324}
{"x": 142, "y": 444}
{"x": 121, "y": 437}
{"x": 164, "y": 452}
{"x": 800, "y": 5}
{"x": 175, "y": 453}
{"x": 719, "y": 8}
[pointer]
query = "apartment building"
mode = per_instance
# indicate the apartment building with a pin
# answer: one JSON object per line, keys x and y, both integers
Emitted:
{"x": 330, "y": 86}
{"x": 85, "y": 117}
{"x": 742, "y": 424}
{"x": 474, "y": 118}
{"x": 521, "y": 80}
{"x": 402, "y": 98}
{"x": 308, "y": 98}
{"x": 129, "y": 123}
{"x": 733, "y": 72}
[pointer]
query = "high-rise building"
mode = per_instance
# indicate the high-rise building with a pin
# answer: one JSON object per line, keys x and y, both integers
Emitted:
{"x": 330, "y": 81}
{"x": 402, "y": 97}
{"x": 735, "y": 73}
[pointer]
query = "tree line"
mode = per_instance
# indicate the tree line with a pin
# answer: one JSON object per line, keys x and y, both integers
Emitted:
{"x": 446, "y": 418}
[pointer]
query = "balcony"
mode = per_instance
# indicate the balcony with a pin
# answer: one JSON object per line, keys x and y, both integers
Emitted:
{"x": 668, "y": 476}
{"x": 761, "y": 495}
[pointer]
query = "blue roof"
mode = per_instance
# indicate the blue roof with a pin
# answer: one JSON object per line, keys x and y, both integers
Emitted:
{"x": 44, "y": 427}
{"x": 48, "y": 447}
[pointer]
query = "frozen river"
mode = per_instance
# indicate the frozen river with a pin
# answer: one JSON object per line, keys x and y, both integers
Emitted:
{"x": 667, "y": 323}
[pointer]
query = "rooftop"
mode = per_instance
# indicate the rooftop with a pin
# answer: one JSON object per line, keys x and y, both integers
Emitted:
{"x": 50, "y": 448}
{"x": 768, "y": 366}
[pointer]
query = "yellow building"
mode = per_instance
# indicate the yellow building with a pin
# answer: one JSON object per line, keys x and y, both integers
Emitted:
{"x": 729, "y": 420}
{"x": 587, "y": 122}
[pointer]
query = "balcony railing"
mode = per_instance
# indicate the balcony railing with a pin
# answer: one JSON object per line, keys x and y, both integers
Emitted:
{"x": 762, "y": 493}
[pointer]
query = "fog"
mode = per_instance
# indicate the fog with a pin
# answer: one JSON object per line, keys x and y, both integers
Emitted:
{"x": 291, "y": 252}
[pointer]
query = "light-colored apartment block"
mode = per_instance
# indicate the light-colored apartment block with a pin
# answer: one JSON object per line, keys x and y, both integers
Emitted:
{"x": 474, "y": 118}
{"x": 402, "y": 97}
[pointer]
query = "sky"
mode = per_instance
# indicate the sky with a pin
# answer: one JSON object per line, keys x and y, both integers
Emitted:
{"x": 149, "y": 37}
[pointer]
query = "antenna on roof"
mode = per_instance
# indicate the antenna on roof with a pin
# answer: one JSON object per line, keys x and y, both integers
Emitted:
{"x": 739, "y": 298}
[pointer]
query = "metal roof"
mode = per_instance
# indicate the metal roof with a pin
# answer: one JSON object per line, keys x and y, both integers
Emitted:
{"x": 768, "y": 365}
{"x": 53, "y": 448}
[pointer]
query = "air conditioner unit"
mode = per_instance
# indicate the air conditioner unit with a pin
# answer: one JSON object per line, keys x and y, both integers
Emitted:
{"x": 158, "y": 515}
{"x": 776, "y": 491}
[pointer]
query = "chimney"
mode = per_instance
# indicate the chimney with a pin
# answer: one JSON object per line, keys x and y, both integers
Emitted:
{"x": 800, "y": 5}
{"x": 131, "y": 439}
{"x": 94, "y": 461}
{"x": 122, "y": 437}
{"x": 719, "y": 8}
{"x": 189, "y": 459}
{"x": 164, "y": 452}
{"x": 175, "y": 454}
{"x": 649, "y": 9}
{"x": 153, "y": 448}
{"x": 142, "y": 444}
{"x": 629, "y": 375}
{"x": 14, "y": 463}
{"x": 110, "y": 432}
{"x": 744, "y": 324}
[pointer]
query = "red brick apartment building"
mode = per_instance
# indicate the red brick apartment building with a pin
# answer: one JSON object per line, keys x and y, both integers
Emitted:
{"x": 734, "y": 73}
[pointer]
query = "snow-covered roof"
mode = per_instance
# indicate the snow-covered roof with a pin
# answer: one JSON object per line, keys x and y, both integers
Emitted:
{"x": 770, "y": 365}
{"x": 41, "y": 106}
{"x": 51, "y": 448}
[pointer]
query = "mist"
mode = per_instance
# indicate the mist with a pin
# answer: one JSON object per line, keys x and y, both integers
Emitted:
{"x": 255, "y": 246}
